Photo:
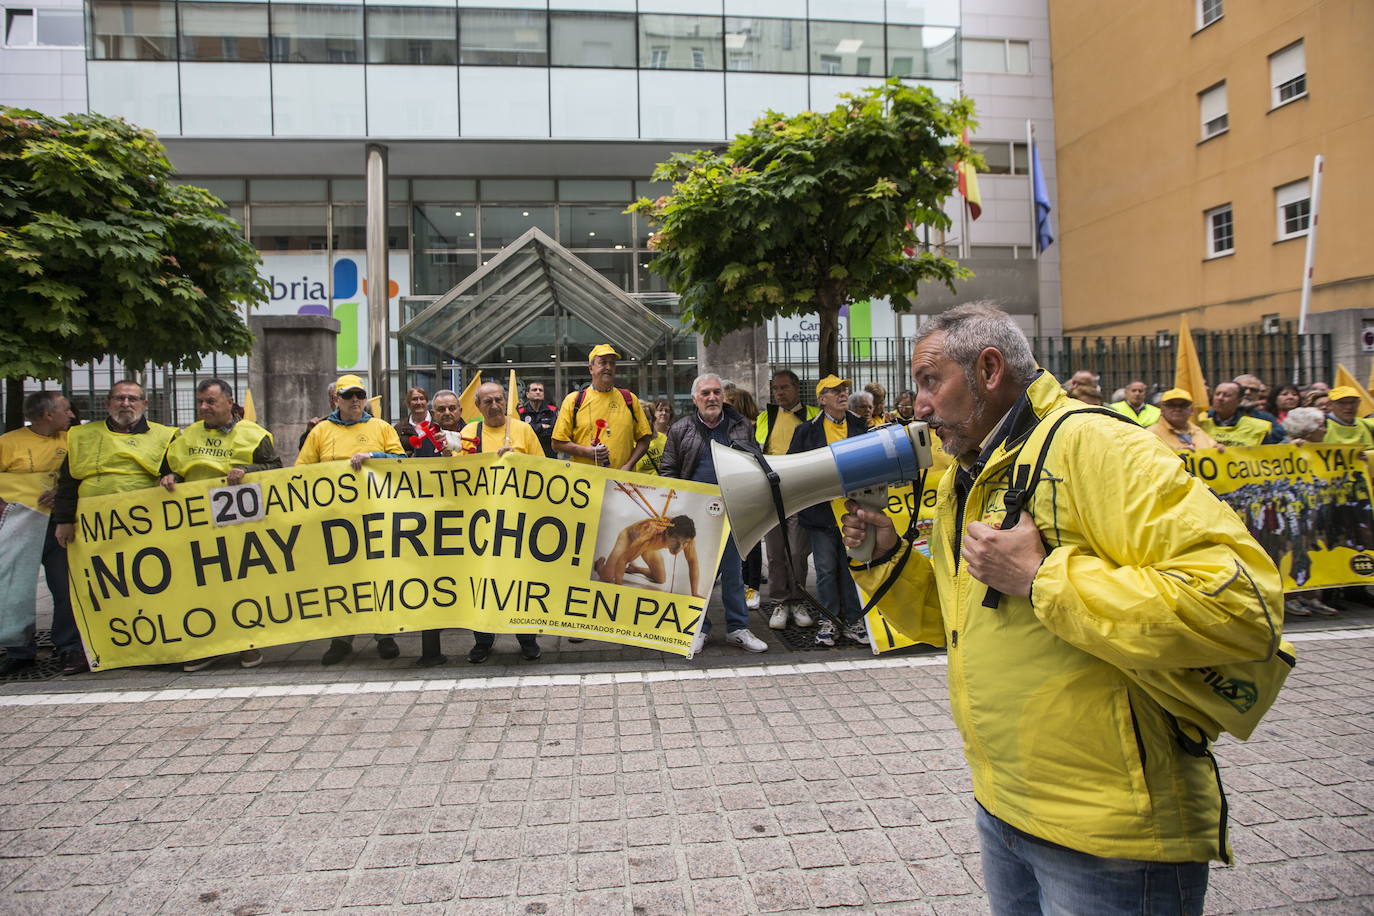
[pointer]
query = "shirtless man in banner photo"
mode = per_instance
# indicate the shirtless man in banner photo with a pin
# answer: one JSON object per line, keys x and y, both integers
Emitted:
{"x": 644, "y": 541}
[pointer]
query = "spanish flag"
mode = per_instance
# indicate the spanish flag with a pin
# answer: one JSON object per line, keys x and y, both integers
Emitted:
{"x": 968, "y": 186}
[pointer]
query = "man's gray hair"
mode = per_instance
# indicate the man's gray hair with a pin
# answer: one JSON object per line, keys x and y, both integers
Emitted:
{"x": 974, "y": 326}
{"x": 1302, "y": 422}
{"x": 445, "y": 391}
{"x": 696, "y": 382}
{"x": 39, "y": 403}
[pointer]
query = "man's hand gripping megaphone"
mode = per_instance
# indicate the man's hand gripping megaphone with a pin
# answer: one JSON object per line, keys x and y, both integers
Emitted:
{"x": 1005, "y": 559}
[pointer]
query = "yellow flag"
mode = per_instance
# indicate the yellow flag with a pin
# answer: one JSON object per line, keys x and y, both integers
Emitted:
{"x": 467, "y": 401}
{"x": 250, "y": 412}
{"x": 1369, "y": 386}
{"x": 1187, "y": 369}
{"x": 374, "y": 406}
{"x": 1343, "y": 377}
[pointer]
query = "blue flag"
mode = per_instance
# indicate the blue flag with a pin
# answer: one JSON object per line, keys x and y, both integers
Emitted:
{"x": 1043, "y": 237}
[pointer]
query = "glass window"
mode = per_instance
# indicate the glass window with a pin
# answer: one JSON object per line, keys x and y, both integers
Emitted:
{"x": 19, "y": 28}
{"x": 291, "y": 228}
{"x": 315, "y": 33}
{"x": 765, "y": 45}
{"x": 1003, "y": 158}
{"x": 593, "y": 39}
{"x": 1208, "y": 12}
{"x": 280, "y": 190}
{"x": 133, "y": 30}
{"x": 60, "y": 28}
{"x": 1294, "y": 203}
{"x": 650, "y": 282}
{"x": 922, "y": 52}
{"x": 1221, "y": 231}
{"x": 354, "y": 190}
{"x": 680, "y": 42}
{"x": 847, "y": 48}
{"x": 450, "y": 189}
{"x": 1288, "y": 74}
{"x": 594, "y": 191}
{"x": 533, "y": 189}
{"x": 614, "y": 267}
{"x": 223, "y": 31}
{"x": 412, "y": 35}
{"x": 229, "y": 190}
{"x": 996, "y": 55}
{"x": 1212, "y": 104}
{"x": 445, "y": 226}
{"x": 350, "y": 228}
{"x": 511, "y": 38}
{"x": 503, "y": 225}
{"x": 437, "y": 272}
{"x": 595, "y": 227}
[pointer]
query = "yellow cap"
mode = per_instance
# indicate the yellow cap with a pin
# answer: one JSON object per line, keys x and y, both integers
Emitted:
{"x": 831, "y": 381}
{"x": 1175, "y": 394}
{"x": 349, "y": 383}
{"x": 602, "y": 350}
{"x": 1341, "y": 393}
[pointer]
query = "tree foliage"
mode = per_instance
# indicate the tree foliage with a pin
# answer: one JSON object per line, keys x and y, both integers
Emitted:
{"x": 101, "y": 254}
{"x": 806, "y": 213}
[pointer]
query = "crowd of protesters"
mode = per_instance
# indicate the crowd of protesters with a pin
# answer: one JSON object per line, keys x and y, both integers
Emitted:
{"x": 602, "y": 423}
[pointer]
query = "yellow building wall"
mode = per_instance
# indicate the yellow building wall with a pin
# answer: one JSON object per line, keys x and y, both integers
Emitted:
{"x": 1134, "y": 181}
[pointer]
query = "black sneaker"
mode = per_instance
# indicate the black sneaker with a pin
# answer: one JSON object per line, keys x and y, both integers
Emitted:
{"x": 338, "y": 651}
{"x": 74, "y": 662}
{"x": 479, "y": 654}
{"x": 531, "y": 653}
{"x": 387, "y": 648}
{"x": 431, "y": 661}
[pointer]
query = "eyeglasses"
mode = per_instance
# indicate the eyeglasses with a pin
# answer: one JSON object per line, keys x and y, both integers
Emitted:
{"x": 354, "y": 395}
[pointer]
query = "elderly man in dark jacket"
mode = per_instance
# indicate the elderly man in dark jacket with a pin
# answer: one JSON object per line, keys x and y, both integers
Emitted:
{"x": 687, "y": 455}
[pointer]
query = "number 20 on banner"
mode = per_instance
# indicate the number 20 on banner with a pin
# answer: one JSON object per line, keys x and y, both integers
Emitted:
{"x": 234, "y": 505}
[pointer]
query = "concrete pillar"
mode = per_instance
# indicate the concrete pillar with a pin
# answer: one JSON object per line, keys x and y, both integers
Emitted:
{"x": 292, "y": 366}
{"x": 378, "y": 281}
{"x": 740, "y": 357}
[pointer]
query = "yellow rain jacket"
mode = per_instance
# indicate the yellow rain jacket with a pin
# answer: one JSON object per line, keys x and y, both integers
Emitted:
{"x": 1146, "y": 569}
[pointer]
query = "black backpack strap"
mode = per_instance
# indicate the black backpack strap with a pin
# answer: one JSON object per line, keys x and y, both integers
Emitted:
{"x": 1023, "y": 484}
{"x": 577, "y": 402}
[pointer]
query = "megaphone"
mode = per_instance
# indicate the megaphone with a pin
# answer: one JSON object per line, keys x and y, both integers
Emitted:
{"x": 859, "y": 468}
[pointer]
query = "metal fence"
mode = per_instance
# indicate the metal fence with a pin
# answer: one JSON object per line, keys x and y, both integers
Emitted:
{"x": 1117, "y": 360}
{"x": 171, "y": 392}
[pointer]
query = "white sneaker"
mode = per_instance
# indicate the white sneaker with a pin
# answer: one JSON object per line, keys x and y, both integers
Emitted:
{"x": 698, "y": 640}
{"x": 745, "y": 640}
{"x": 751, "y": 598}
{"x": 857, "y": 632}
{"x": 801, "y": 614}
{"x": 779, "y": 619}
{"x": 825, "y": 633}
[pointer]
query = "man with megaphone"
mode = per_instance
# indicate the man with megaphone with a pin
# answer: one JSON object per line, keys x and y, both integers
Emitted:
{"x": 1123, "y": 565}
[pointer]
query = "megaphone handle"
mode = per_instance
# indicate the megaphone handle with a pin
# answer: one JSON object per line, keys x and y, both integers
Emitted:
{"x": 873, "y": 499}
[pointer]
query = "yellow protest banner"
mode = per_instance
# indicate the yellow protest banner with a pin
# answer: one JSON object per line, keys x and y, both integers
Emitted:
{"x": 509, "y": 544}
{"x": 1308, "y": 506}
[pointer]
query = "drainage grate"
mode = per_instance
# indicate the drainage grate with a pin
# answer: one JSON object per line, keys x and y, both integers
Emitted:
{"x": 800, "y": 639}
{"x": 43, "y": 669}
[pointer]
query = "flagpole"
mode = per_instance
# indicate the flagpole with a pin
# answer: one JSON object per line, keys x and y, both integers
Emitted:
{"x": 1306, "y": 299}
{"x": 1030, "y": 183}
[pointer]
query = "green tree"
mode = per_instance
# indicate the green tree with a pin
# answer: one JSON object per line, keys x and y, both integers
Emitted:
{"x": 806, "y": 213}
{"x": 102, "y": 254}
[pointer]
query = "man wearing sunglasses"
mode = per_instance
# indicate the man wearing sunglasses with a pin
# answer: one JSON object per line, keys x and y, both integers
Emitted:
{"x": 351, "y": 433}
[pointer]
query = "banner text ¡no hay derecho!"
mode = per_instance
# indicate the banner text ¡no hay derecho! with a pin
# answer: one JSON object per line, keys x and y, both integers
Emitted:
{"x": 503, "y": 545}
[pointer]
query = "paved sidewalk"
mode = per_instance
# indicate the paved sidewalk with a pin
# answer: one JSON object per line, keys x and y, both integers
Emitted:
{"x": 825, "y": 783}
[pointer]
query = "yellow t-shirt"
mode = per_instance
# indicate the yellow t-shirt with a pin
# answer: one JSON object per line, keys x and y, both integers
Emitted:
{"x": 330, "y": 441}
{"x": 784, "y": 425}
{"x": 834, "y": 432}
{"x": 622, "y": 430}
{"x": 23, "y": 451}
{"x": 522, "y": 438}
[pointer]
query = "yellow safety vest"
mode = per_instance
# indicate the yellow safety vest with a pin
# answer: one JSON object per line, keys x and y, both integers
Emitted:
{"x": 199, "y": 452}
{"x": 1357, "y": 433}
{"x": 1247, "y": 431}
{"x": 110, "y": 462}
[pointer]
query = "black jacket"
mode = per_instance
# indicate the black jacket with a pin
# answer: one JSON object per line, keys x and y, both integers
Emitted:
{"x": 542, "y": 422}
{"x": 811, "y": 435}
{"x": 688, "y": 436}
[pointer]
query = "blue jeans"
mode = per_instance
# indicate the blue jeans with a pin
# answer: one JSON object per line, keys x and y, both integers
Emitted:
{"x": 834, "y": 585}
{"x": 1027, "y": 876}
{"x": 65, "y": 636}
{"x": 731, "y": 578}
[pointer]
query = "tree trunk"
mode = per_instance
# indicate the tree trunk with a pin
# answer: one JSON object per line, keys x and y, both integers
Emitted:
{"x": 828, "y": 320}
{"x": 14, "y": 403}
